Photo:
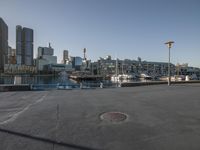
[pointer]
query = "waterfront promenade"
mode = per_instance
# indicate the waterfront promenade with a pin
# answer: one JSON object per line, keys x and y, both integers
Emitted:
{"x": 157, "y": 117}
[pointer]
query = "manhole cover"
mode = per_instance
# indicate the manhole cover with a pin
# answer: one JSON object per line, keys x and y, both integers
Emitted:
{"x": 114, "y": 116}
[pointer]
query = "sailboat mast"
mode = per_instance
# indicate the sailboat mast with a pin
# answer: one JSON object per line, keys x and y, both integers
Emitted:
{"x": 116, "y": 70}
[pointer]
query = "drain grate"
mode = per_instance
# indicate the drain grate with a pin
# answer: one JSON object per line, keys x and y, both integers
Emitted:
{"x": 114, "y": 116}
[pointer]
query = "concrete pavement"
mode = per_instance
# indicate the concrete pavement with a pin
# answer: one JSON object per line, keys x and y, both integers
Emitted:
{"x": 159, "y": 118}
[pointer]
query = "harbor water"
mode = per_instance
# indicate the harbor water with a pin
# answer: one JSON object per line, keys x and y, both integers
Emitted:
{"x": 60, "y": 81}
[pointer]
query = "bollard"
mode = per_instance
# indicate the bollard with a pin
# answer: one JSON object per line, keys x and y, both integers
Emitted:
{"x": 101, "y": 85}
{"x": 81, "y": 85}
{"x": 17, "y": 80}
{"x": 120, "y": 84}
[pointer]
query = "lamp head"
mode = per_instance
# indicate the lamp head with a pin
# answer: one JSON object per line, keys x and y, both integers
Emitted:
{"x": 169, "y": 44}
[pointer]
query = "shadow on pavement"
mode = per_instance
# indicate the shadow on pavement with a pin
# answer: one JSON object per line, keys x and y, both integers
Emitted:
{"x": 46, "y": 140}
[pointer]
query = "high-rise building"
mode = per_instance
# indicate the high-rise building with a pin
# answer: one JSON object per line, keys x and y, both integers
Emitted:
{"x": 19, "y": 44}
{"x": 76, "y": 62}
{"x": 45, "y": 51}
{"x": 3, "y": 44}
{"x": 24, "y": 46}
{"x": 11, "y": 55}
{"x": 65, "y": 56}
{"x": 45, "y": 57}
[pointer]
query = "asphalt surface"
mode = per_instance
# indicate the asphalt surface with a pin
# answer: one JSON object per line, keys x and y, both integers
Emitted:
{"x": 159, "y": 118}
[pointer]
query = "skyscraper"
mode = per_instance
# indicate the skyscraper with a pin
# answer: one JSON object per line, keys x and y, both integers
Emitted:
{"x": 42, "y": 51}
{"x": 19, "y": 44}
{"x": 65, "y": 56}
{"x": 24, "y": 46}
{"x": 45, "y": 57}
{"x": 3, "y": 44}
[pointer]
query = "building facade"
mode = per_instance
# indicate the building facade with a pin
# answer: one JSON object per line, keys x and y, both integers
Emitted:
{"x": 42, "y": 51}
{"x": 108, "y": 66}
{"x": 185, "y": 69}
{"x": 76, "y": 62}
{"x": 45, "y": 57}
{"x": 56, "y": 68}
{"x": 11, "y": 55}
{"x": 3, "y": 44}
{"x": 24, "y": 46}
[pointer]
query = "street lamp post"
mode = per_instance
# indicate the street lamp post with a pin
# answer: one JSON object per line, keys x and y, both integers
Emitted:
{"x": 169, "y": 45}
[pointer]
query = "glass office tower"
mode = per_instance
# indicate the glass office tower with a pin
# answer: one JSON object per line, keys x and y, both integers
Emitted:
{"x": 24, "y": 46}
{"x": 3, "y": 44}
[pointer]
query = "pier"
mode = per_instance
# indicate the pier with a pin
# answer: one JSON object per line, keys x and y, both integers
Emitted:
{"x": 29, "y": 87}
{"x": 145, "y": 83}
{"x": 141, "y": 117}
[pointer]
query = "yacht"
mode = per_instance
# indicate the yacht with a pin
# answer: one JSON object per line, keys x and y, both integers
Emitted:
{"x": 115, "y": 78}
{"x": 122, "y": 77}
{"x": 145, "y": 76}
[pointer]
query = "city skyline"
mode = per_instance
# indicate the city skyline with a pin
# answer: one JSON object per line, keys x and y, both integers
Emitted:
{"x": 123, "y": 29}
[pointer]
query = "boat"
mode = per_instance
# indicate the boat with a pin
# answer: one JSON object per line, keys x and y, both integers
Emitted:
{"x": 122, "y": 77}
{"x": 145, "y": 76}
{"x": 128, "y": 76}
{"x": 178, "y": 78}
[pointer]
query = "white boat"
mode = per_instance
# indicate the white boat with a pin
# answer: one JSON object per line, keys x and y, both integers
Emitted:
{"x": 115, "y": 78}
{"x": 128, "y": 76}
{"x": 123, "y": 77}
{"x": 177, "y": 78}
{"x": 145, "y": 76}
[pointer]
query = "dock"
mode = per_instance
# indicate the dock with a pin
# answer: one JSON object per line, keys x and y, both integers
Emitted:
{"x": 12, "y": 87}
{"x": 86, "y": 77}
{"x": 131, "y": 84}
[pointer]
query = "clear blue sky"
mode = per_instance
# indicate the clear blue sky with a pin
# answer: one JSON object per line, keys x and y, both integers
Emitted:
{"x": 122, "y": 28}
